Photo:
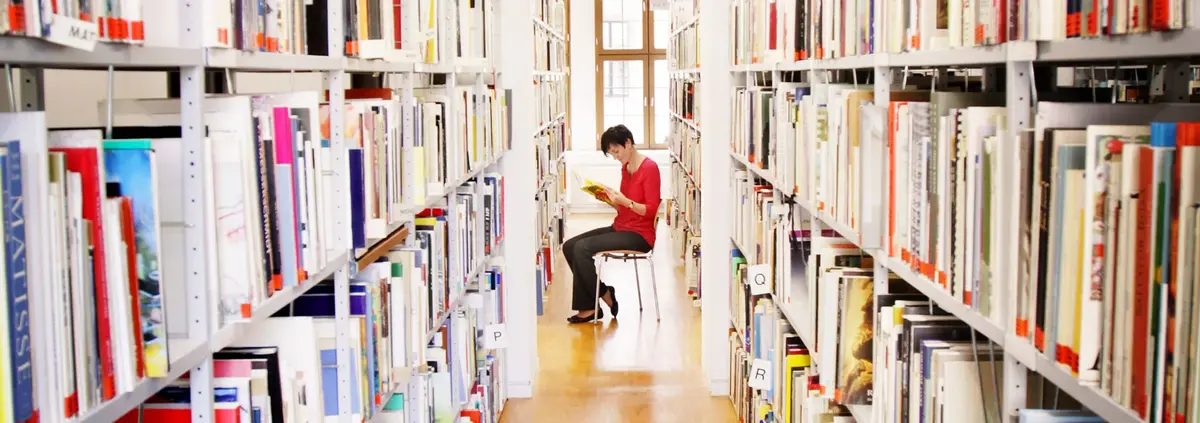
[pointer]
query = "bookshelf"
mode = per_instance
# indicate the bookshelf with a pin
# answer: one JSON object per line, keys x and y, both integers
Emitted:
{"x": 375, "y": 200}
{"x": 902, "y": 172}
{"x": 683, "y": 211}
{"x": 550, "y": 86}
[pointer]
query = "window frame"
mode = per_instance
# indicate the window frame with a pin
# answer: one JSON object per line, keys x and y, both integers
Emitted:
{"x": 647, "y": 54}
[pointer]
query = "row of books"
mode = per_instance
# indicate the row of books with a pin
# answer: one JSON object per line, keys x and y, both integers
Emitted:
{"x": 684, "y": 52}
{"x": 683, "y": 218}
{"x": 483, "y": 116}
{"x": 97, "y": 216}
{"x": 552, "y": 100}
{"x": 1115, "y": 312}
{"x": 942, "y": 158}
{"x": 683, "y": 211}
{"x": 549, "y": 50}
{"x": 686, "y": 201}
{"x": 682, "y": 95}
{"x": 285, "y": 368}
{"x": 374, "y": 29}
{"x": 683, "y": 12}
{"x": 687, "y": 243}
{"x": 820, "y": 344}
{"x": 551, "y": 12}
{"x": 772, "y": 31}
{"x": 551, "y": 170}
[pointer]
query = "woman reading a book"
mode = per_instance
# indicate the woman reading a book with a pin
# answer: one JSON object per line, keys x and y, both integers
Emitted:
{"x": 637, "y": 205}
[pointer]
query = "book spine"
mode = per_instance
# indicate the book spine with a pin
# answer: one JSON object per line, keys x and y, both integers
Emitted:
{"x": 21, "y": 353}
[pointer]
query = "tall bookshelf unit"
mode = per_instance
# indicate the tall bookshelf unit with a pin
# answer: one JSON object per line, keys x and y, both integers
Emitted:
{"x": 380, "y": 201}
{"x": 921, "y": 166}
{"x": 683, "y": 211}
{"x": 550, "y": 84}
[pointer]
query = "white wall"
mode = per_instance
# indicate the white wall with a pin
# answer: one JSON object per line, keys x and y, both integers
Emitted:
{"x": 584, "y": 158}
{"x": 583, "y": 75}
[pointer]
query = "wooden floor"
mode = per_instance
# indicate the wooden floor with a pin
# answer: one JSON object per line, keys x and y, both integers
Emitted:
{"x": 632, "y": 369}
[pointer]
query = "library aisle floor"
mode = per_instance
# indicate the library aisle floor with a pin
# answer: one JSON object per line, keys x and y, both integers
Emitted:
{"x": 632, "y": 369}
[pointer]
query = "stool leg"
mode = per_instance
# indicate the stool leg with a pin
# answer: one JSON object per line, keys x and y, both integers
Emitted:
{"x": 654, "y": 285}
{"x": 599, "y": 275}
{"x": 638, "y": 278}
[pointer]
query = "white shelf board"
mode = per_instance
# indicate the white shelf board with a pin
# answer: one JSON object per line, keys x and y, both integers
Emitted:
{"x": 463, "y": 66}
{"x": 761, "y": 173}
{"x": 943, "y": 299}
{"x": 695, "y": 19}
{"x": 685, "y": 121}
{"x": 548, "y": 29}
{"x": 1096, "y": 401}
{"x": 982, "y": 55}
{"x": 441, "y": 319}
{"x": 1122, "y": 47}
{"x": 233, "y": 331}
{"x": 449, "y": 187}
{"x": 185, "y": 354}
{"x": 826, "y": 219}
{"x": 794, "y": 313}
{"x": 275, "y": 62}
{"x": 35, "y": 51}
{"x": 685, "y": 73}
{"x": 379, "y": 65}
{"x": 862, "y": 413}
{"x": 549, "y": 75}
{"x": 688, "y": 172}
{"x": 546, "y": 125}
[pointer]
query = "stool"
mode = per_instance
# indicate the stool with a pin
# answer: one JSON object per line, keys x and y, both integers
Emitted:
{"x": 628, "y": 255}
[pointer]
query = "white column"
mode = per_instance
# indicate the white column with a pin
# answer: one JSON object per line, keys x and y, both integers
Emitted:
{"x": 191, "y": 96}
{"x": 520, "y": 209}
{"x": 715, "y": 208}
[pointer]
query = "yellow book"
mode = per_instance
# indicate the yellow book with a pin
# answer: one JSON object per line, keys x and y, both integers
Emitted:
{"x": 597, "y": 190}
{"x": 797, "y": 361}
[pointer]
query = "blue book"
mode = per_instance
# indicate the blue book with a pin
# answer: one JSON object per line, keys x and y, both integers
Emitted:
{"x": 329, "y": 383}
{"x": 319, "y": 302}
{"x": 358, "y": 215}
{"x": 130, "y": 163}
{"x": 20, "y": 353}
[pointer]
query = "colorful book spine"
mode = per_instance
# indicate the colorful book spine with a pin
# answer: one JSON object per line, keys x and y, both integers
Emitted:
{"x": 21, "y": 352}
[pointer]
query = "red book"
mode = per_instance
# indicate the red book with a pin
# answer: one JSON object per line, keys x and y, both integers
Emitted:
{"x": 130, "y": 239}
{"x": 1144, "y": 228}
{"x": 86, "y": 162}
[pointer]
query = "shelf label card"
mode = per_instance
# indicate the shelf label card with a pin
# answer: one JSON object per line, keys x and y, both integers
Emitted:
{"x": 760, "y": 279}
{"x": 760, "y": 375}
{"x": 495, "y": 337}
{"x": 73, "y": 33}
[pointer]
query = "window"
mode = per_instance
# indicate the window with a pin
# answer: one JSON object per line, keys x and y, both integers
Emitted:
{"x": 631, "y": 80}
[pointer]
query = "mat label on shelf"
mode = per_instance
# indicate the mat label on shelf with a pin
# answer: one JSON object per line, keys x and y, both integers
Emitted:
{"x": 73, "y": 33}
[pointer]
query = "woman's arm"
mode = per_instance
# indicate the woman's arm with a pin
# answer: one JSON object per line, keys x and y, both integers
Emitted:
{"x": 652, "y": 186}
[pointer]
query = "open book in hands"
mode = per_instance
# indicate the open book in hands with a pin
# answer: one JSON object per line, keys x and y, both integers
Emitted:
{"x": 596, "y": 189}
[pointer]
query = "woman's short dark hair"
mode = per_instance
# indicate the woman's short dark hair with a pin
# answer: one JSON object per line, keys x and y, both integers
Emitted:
{"x": 614, "y": 136}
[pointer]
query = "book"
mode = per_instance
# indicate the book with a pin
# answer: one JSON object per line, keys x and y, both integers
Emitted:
{"x": 597, "y": 190}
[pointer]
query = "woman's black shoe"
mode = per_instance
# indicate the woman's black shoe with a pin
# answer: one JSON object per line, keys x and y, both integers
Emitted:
{"x": 599, "y": 314}
{"x": 614, "y": 307}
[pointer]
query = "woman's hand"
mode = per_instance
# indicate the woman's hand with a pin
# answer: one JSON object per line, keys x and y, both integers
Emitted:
{"x": 618, "y": 199}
